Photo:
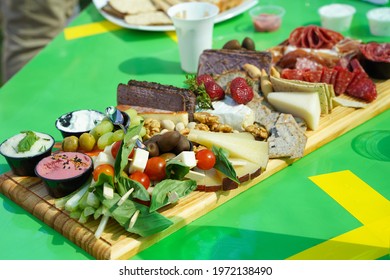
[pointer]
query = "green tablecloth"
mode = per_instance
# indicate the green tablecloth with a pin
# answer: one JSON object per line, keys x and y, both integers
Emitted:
{"x": 281, "y": 217}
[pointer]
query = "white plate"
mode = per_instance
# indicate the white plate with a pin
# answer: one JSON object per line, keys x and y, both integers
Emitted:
{"x": 246, "y": 5}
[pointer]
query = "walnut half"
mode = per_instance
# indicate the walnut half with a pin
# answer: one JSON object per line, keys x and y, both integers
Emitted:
{"x": 258, "y": 131}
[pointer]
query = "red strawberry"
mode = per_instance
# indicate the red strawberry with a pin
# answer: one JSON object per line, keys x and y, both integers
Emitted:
{"x": 202, "y": 79}
{"x": 214, "y": 90}
{"x": 240, "y": 91}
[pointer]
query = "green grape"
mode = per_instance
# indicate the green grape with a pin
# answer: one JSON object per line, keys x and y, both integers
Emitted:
{"x": 87, "y": 142}
{"x": 118, "y": 135}
{"x": 142, "y": 133}
{"x": 136, "y": 121}
{"x": 132, "y": 113}
{"x": 101, "y": 129}
{"x": 105, "y": 140}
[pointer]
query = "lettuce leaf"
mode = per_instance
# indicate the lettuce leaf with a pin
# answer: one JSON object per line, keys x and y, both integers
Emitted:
{"x": 223, "y": 164}
{"x": 175, "y": 169}
{"x": 167, "y": 189}
{"x": 27, "y": 142}
{"x": 147, "y": 223}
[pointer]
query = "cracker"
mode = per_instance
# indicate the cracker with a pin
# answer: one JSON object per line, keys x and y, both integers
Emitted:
{"x": 150, "y": 18}
{"x": 132, "y": 7}
{"x": 285, "y": 85}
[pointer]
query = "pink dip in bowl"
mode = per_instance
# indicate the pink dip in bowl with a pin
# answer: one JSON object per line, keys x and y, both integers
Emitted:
{"x": 64, "y": 172}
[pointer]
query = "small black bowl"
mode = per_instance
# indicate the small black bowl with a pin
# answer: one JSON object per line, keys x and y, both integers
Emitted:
{"x": 25, "y": 165}
{"x": 69, "y": 171}
{"x": 377, "y": 69}
{"x": 63, "y": 122}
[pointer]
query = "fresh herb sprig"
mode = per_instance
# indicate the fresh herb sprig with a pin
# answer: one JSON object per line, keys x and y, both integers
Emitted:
{"x": 203, "y": 100}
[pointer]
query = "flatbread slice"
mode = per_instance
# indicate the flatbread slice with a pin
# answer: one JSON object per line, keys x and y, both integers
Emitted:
{"x": 132, "y": 7}
{"x": 150, "y": 18}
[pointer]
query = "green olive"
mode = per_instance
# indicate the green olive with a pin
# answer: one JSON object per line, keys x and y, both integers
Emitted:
{"x": 87, "y": 142}
{"x": 70, "y": 144}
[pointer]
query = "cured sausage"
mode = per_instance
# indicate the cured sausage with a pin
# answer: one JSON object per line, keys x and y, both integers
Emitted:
{"x": 314, "y": 37}
{"x": 376, "y": 51}
{"x": 354, "y": 81}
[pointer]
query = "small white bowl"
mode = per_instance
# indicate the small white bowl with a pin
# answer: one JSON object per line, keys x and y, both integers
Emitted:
{"x": 336, "y": 17}
{"x": 379, "y": 21}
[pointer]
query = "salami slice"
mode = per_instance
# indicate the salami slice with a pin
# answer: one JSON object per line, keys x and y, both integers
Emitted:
{"x": 326, "y": 75}
{"x": 379, "y": 52}
{"x": 312, "y": 76}
{"x": 343, "y": 78}
{"x": 292, "y": 74}
{"x": 362, "y": 87}
{"x": 314, "y": 37}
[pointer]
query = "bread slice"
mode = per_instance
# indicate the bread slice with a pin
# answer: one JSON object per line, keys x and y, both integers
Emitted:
{"x": 224, "y": 5}
{"x": 148, "y": 18}
{"x": 132, "y": 7}
{"x": 157, "y": 96}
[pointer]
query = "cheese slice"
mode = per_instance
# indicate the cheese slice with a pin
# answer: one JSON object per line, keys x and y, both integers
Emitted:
{"x": 175, "y": 117}
{"x": 237, "y": 146}
{"x": 284, "y": 85}
{"x": 305, "y": 105}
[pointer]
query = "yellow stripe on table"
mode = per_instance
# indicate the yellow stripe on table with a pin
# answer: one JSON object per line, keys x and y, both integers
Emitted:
{"x": 90, "y": 29}
{"x": 372, "y": 239}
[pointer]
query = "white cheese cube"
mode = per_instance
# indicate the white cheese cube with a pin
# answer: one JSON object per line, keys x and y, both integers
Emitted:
{"x": 187, "y": 157}
{"x": 108, "y": 191}
{"x": 139, "y": 161}
{"x": 104, "y": 157}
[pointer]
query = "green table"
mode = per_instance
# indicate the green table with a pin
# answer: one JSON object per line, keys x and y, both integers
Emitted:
{"x": 284, "y": 216}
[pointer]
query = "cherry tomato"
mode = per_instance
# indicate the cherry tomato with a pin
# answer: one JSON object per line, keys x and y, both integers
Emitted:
{"x": 103, "y": 168}
{"x": 141, "y": 178}
{"x": 115, "y": 149}
{"x": 205, "y": 159}
{"x": 155, "y": 168}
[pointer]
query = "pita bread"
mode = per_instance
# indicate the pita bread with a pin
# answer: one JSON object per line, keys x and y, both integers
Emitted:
{"x": 132, "y": 7}
{"x": 150, "y": 18}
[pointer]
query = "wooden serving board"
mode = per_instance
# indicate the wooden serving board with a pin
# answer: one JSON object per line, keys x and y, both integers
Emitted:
{"x": 115, "y": 243}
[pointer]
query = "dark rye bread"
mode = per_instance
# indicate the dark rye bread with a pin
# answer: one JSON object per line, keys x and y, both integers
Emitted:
{"x": 218, "y": 61}
{"x": 157, "y": 96}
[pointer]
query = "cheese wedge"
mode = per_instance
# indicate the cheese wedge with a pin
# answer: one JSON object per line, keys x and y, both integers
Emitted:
{"x": 305, "y": 105}
{"x": 237, "y": 146}
{"x": 284, "y": 85}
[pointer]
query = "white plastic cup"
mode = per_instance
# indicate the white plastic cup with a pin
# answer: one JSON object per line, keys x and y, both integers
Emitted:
{"x": 379, "y": 21}
{"x": 194, "y": 24}
{"x": 336, "y": 17}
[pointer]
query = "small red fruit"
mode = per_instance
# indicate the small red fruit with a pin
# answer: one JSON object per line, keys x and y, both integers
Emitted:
{"x": 205, "y": 159}
{"x": 214, "y": 90}
{"x": 240, "y": 91}
{"x": 141, "y": 178}
{"x": 155, "y": 168}
{"x": 201, "y": 79}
